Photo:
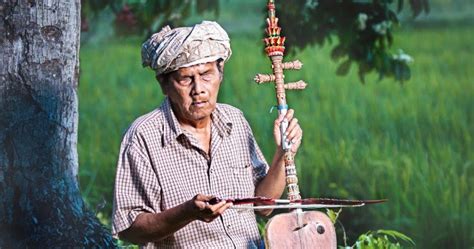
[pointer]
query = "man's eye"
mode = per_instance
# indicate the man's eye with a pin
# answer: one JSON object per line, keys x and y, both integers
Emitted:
{"x": 207, "y": 76}
{"x": 185, "y": 81}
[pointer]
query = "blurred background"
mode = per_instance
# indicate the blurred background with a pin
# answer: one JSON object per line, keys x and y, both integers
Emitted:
{"x": 409, "y": 142}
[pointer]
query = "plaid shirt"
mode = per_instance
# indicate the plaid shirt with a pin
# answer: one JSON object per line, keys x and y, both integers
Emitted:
{"x": 161, "y": 166}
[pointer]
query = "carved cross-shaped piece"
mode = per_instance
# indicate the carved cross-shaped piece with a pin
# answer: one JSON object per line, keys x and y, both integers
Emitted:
{"x": 270, "y": 78}
{"x": 275, "y": 48}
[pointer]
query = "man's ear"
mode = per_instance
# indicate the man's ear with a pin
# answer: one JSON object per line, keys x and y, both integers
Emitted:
{"x": 220, "y": 67}
{"x": 161, "y": 82}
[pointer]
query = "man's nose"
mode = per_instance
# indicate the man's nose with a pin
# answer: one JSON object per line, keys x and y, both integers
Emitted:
{"x": 198, "y": 86}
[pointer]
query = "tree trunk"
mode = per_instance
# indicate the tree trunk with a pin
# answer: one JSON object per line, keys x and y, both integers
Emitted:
{"x": 40, "y": 203}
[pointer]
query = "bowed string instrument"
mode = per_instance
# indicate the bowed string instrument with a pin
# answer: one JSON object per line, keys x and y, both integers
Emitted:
{"x": 297, "y": 228}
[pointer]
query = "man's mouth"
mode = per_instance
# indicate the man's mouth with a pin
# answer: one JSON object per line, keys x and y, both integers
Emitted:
{"x": 199, "y": 103}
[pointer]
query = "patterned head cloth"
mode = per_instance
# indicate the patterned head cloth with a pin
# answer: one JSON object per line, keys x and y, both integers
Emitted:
{"x": 171, "y": 49}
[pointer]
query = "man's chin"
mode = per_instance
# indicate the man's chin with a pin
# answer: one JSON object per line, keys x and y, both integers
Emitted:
{"x": 199, "y": 116}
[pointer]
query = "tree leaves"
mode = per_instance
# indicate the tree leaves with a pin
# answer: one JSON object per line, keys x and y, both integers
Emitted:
{"x": 338, "y": 52}
{"x": 364, "y": 31}
{"x": 146, "y": 16}
{"x": 400, "y": 5}
{"x": 418, "y": 6}
{"x": 344, "y": 67}
{"x": 363, "y": 28}
{"x": 402, "y": 71}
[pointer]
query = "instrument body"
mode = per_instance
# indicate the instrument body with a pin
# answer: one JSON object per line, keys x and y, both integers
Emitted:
{"x": 317, "y": 231}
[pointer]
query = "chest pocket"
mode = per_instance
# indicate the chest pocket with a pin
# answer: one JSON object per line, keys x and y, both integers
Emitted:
{"x": 242, "y": 176}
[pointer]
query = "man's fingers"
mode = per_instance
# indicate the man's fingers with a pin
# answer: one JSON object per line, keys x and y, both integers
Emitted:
{"x": 292, "y": 128}
{"x": 295, "y": 134}
{"x": 224, "y": 208}
{"x": 217, "y": 206}
{"x": 201, "y": 197}
{"x": 201, "y": 201}
{"x": 287, "y": 117}
{"x": 218, "y": 212}
{"x": 205, "y": 211}
{"x": 289, "y": 114}
{"x": 214, "y": 211}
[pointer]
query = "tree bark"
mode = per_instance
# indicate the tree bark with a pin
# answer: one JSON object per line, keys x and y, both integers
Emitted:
{"x": 40, "y": 202}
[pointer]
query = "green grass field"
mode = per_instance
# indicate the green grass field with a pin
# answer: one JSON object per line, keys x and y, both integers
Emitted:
{"x": 411, "y": 143}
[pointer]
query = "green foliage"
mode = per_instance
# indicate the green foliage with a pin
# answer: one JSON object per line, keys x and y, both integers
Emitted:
{"x": 381, "y": 239}
{"x": 364, "y": 30}
{"x": 412, "y": 144}
{"x": 333, "y": 215}
{"x": 147, "y": 16}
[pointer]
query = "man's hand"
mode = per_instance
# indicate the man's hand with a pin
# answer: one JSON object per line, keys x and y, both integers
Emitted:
{"x": 294, "y": 133}
{"x": 152, "y": 227}
{"x": 273, "y": 184}
{"x": 203, "y": 211}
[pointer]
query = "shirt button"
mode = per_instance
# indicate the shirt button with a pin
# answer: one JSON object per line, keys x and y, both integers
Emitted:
{"x": 228, "y": 226}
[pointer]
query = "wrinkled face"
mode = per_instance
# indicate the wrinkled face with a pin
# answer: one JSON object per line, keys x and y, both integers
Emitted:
{"x": 193, "y": 91}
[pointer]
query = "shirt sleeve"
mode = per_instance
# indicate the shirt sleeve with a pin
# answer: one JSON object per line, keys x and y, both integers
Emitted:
{"x": 136, "y": 188}
{"x": 260, "y": 165}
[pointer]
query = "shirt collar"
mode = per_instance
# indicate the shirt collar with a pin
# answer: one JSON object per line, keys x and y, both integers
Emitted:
{"x": 172, "y": 130}
{"x": 221, "y": 121}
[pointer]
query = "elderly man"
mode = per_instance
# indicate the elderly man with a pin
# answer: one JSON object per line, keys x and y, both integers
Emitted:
{"x": 174, "y": 159}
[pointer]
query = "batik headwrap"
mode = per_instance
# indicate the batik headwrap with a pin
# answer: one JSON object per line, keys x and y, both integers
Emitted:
{"x": 171, "y": 49}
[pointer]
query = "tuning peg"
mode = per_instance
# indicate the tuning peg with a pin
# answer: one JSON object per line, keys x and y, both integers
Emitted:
{"x": 299, "y": 85}
{"x": 264, "y": 78}
{"x": 296, "y": 65}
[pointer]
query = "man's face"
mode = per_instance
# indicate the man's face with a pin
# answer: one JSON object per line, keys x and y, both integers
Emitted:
{"x": 193, "y": 91}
